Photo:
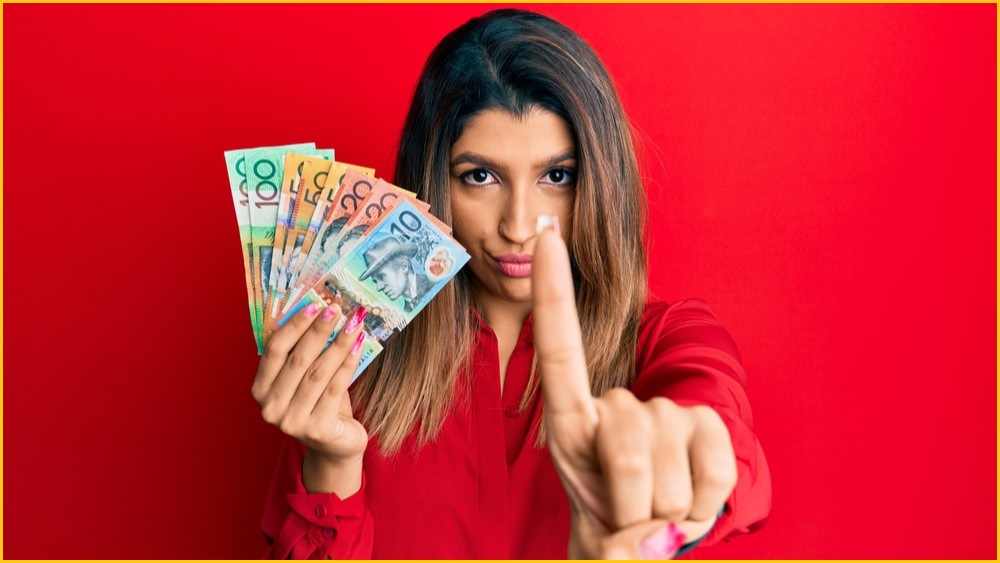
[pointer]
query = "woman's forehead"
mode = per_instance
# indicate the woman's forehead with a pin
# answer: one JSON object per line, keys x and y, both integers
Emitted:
{"x": 496, "y": 136}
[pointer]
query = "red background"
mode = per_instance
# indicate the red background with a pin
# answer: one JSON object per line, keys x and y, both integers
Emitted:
{"x": 824, "y": 175}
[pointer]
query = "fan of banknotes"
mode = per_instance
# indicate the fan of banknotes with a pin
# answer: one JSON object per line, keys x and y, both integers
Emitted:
{"x": 314, "y": 230}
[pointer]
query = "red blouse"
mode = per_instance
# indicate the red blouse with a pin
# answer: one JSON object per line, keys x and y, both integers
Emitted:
{"x": 482, "y": 489}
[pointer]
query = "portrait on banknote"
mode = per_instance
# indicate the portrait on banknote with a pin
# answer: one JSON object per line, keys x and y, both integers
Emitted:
{"x": 390, "y": 268}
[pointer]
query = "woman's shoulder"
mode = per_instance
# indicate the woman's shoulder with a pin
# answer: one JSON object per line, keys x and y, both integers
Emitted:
{"x": 680, "y": 324}
{"x": 657, "y": 312}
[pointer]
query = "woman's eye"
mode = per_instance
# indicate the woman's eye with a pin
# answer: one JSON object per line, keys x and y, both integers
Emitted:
{"x": 560, "y": 176}
{"x": 478, "y": 177}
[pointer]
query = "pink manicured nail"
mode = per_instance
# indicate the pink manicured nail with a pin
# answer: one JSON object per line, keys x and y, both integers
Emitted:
{"x": 663, "y": 543}
{"x": 310, "y": 310}
{"x": 555, "y": 225}
{"x": 357, "y": 343}
{"x": 675, "y": 538}
{"x": 356, "y": 318}
{"x": 329, "y": 313}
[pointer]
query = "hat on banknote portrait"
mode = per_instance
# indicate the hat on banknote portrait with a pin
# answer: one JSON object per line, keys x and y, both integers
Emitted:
{"x": 382, "y": 252}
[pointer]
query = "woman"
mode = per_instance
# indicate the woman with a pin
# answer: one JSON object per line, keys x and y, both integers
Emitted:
{"x": 443, "y": 449}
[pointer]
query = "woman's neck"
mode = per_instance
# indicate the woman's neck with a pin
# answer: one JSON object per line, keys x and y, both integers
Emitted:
{"x": 506, "y": 319}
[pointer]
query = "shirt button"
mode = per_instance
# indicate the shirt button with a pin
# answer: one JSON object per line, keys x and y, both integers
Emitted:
{"x": 329, "y": 532}
{"x": 511, "y": 412}
{"x": 319, "y": 511}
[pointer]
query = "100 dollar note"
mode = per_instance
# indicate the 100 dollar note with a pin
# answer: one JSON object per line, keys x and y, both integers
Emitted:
{"x": 236, "y": 166}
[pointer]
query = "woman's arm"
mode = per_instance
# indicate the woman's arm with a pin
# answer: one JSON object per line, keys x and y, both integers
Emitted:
{"x": 316, "y": 507}
{"x": 644, "y": 473}
{"x": 299, "y": 524}
{"x": 685, "y": 355}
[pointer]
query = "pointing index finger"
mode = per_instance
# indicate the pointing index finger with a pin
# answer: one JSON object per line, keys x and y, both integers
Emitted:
{"x": 558, "y": 341}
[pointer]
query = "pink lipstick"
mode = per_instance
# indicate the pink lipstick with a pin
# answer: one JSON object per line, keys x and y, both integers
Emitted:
{"x": 514, "y": 265}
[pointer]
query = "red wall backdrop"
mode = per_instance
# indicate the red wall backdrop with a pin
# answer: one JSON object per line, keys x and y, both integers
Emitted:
{"x": 824, "y": 175}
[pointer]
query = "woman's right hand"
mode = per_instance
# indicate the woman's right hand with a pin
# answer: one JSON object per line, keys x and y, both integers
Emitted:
{"x": 302, "y": 390}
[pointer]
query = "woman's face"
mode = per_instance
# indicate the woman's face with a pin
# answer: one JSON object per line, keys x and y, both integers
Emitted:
{"x": 505, "y": 172}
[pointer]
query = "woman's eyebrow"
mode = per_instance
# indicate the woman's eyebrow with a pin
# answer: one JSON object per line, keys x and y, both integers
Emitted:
{"x": 477, "y": 160}
{"x": 569, "y": 154}
{"x": 485, "y": 162}
{"x": 473, "y": 158}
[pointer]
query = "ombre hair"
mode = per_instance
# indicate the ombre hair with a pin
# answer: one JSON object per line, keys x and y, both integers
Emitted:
{"x": 515, "y": 61}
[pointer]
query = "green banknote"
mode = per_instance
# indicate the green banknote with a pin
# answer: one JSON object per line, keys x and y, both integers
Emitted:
{"x": 236, "y": 167}
{"x": 256, "y": 204}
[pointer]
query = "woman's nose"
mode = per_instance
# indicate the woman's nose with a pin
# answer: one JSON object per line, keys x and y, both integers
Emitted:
{"x": 517, "y": 222}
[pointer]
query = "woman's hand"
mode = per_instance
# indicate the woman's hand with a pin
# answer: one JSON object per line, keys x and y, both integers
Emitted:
{"x": 302, "y": 390}
{"x": 640, "y": 476}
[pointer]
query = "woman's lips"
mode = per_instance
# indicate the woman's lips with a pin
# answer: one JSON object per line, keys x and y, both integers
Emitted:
{"x": 514, "y": 265}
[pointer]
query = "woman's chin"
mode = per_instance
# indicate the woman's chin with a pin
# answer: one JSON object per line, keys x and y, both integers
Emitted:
{"x": 516, "y": 291}
{"x": 517, "y": 297}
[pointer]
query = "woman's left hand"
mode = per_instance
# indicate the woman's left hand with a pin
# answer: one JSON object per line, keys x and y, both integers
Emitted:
{"x": 635, "y": 472}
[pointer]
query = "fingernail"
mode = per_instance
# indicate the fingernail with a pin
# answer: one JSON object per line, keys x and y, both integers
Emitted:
{"x": 663, "y": 543}
{"x": 357, "y": 343}
{"x": 356, "y": 319}
{"x": 329, "y": 313}
{"x": 543, "y": 222}
{"x": 675, "y": 538}
{"x": 310, "y": 310}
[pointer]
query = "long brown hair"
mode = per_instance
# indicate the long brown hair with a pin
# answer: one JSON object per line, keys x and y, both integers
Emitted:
{"x": 516, "y": 61}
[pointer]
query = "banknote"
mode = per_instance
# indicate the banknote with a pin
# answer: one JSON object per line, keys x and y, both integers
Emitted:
{"x": 396, "y": 269}
{"x": 243, "y": 201}
{"x": 314, "y": 177}
{"x": 326, "y": 222}
{"x": 341, "y": 201}
{"x": 393, "y": 272}
{"x": 296, "y": 247}
{"x": 265, "y": 168}
{"x": 320, "y": 185}
{"x": 383, "y": 198}
{"x": 406, "y": 259}
{"x": 343, "y": 221}
{"x": 236, "y": 166}
{"x": 291, "y": 178}
{"x": 314, "y": 230}
{"x": 321, "y": 216}
{"x": 345, "y": 231}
